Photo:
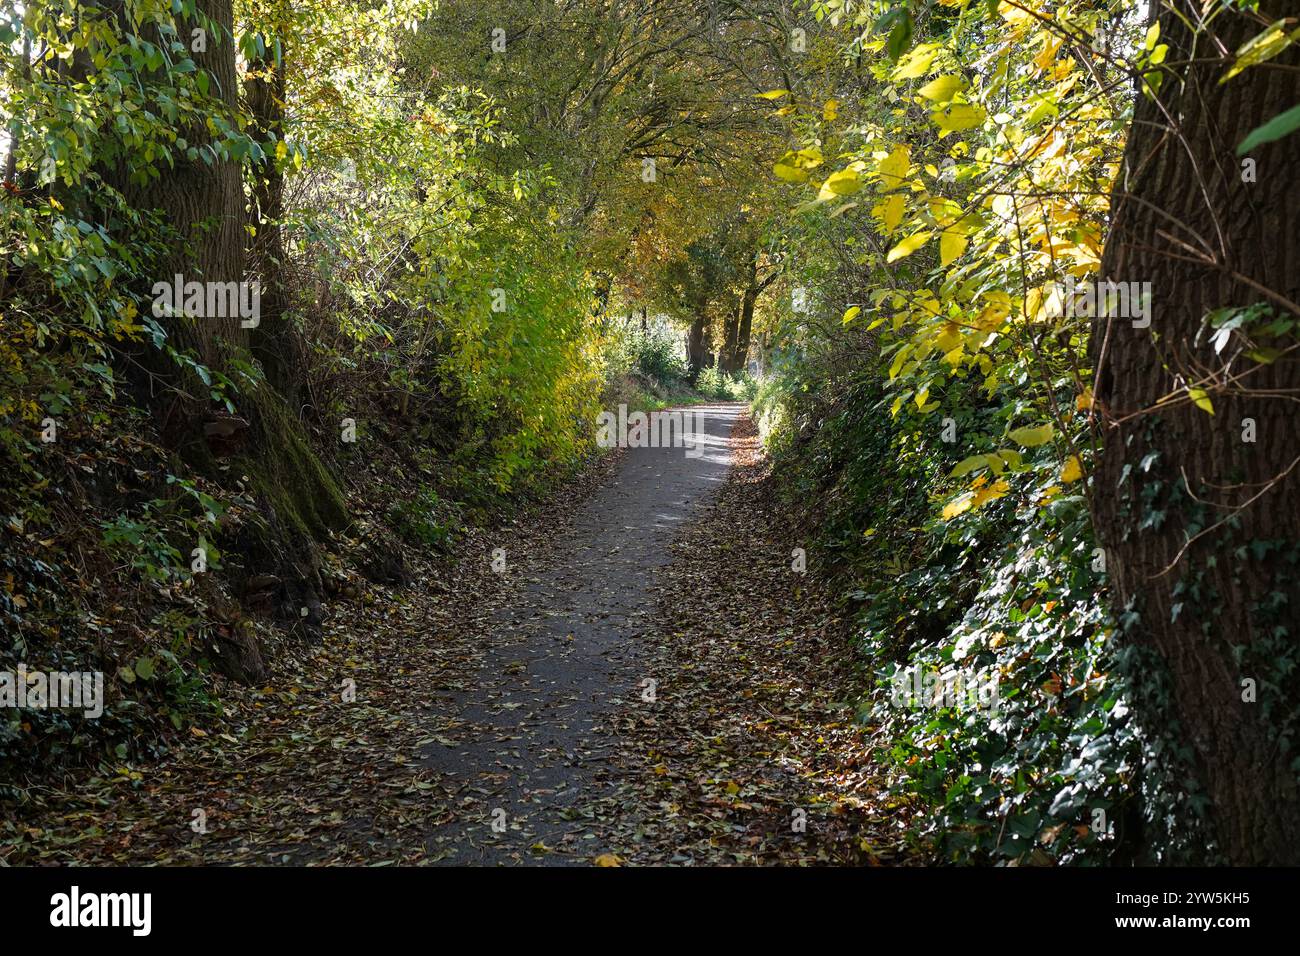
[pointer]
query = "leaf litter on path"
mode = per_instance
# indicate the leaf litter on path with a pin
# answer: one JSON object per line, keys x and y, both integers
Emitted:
{"x": 504, "y": 718}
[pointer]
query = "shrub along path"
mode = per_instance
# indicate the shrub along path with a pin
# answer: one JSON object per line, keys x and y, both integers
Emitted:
{"x": 647, "y": 681}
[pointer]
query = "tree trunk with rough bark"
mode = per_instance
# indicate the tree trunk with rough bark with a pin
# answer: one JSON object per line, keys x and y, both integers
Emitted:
{"x": 299, "y": 501}
{"x": 697, "y": 345}
{"x": 726, "y": 356}
{"x": 1218, "y": 615}
{"x": 275, "y": 342}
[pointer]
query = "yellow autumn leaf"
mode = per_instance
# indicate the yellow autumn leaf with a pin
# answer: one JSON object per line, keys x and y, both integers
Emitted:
{"x": 894, "y": 167}
{"x": 1072, "y": 471}
{"x": 773, "y": 94}
{"x": 997, "y": 309}
{"x": 1047, "y": 56}
{"x": 1201, "y": 399}
{"x": 949, "y": 338}
{"x": 917, "y": 62}
{"x": 1263, "y": 47}
{"x": 1016, "y": 15}
{"x": 794, "y": 165}
{"x": 790, "y": 172}
{"x": 945, "y": 211}
{"x": 899, "y": 358}
{"x": 1032, "y": 437}
{"x": 842, "y": 183}
{"x": 943, "y": 88}
{"x": 958, "y": 505}
{"x": 892, "y": 211}
{"x": 989, "y": 493}
{"x": 907, "y": 246}
{"x": 608, "y": 859}
{"x": 1084, "y": 400}
{"x": 809, "y": 158}
{"x": 1035, "y": 304}
{"x": 951, "y": 246}
{"x": 830, "y": 110}
{"x": 958, "y": 118}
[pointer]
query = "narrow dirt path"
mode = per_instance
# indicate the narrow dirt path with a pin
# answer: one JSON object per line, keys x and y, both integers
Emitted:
{"x": 647, "y": 681}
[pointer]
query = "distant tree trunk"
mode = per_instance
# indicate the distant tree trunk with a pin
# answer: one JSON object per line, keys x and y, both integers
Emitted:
{"x": 1185, "y": 221}
{"x": 603, "y": 290}
{"x": 737, "y": 355}
{"x": 726, "y": 356}
{"x": 275, "y": 342}
{"x": 697, "y": 344}
{"x": 741, "y": 355}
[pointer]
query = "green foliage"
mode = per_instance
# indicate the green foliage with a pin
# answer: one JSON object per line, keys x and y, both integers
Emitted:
{"x": 927, "y": 249}
{"x": 715, "y": 383}
{"x": 428, "y": 520}
{"x": 655, "y": 353}
{"x": 1013, "y": 590}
